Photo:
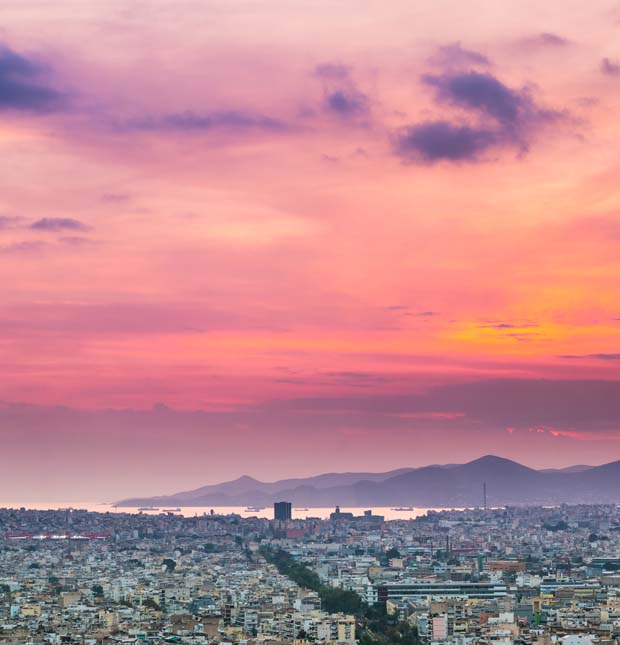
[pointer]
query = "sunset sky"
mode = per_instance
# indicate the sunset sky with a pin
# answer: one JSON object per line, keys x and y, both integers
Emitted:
{"x": 279, "y": 238}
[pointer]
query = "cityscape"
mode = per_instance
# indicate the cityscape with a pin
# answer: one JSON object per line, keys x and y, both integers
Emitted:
{"x": 483, "y": 575}
{"x": 310, "y": 322}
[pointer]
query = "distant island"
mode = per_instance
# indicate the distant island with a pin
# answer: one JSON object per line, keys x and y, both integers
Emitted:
{"x": 453, "y": 485}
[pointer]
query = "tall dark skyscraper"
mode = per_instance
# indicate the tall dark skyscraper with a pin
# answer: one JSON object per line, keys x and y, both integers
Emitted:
{"x": 282, "y": 511}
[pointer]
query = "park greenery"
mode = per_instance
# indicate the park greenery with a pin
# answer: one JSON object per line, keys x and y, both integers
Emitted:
{"x": 375, "y": 626}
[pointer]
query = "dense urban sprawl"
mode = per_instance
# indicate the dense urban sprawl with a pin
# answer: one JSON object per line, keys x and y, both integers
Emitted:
{"x": 501, "y": 576}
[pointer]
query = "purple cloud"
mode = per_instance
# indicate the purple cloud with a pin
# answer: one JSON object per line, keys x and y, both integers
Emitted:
{"x": 341, "y": 95}
{"x": 436, "y": 140}
{"x": 584, "y": 405}
{"x": 454, "y": 54}
{"x": 76, "y": 240}
{"x": 546, "y": 39}
{"x": 482, "y": 93}
{"x": 223, "y": 120}
{"x": 505, "y": 117}
{"x": 10, "y": 221}
{"x": 22, "y": 247}
{"x": 55, "y": 224}
{"x": 115, "y": 197}
{"x": 21, "y": 87}
{"x": 613, "y": 356}
{"x": 347, "y": 102}
{"x": 610, "y": 67}
{"x": 332, "y": 71}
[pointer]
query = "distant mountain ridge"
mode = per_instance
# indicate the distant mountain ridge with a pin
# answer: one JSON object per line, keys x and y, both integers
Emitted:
{"x": 451, "y": 485}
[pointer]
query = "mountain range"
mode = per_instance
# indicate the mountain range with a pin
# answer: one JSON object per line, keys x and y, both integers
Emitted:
{"x": 451, "y": 485}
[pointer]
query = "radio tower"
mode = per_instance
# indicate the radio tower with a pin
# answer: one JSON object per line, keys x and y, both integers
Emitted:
{"x": 484, "y": 495}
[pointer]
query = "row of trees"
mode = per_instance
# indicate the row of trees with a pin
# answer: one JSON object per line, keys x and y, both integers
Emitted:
{"x": 332, "y": 600}
{"x": 374, "y": 624}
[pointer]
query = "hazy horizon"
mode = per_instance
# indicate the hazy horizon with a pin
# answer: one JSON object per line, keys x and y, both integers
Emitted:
{"x": 297, "y": 474}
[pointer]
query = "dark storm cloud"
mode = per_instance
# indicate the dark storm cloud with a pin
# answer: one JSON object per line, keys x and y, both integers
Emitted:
{"x": 22, "y": 86}
{"x": 55, "y": 224}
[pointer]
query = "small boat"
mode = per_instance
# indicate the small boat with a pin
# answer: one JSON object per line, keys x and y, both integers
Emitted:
{"x": 301, "y": 509}
{"x": 403, "y": 508}
{"x": 170, "y": 510}
{"x": 147, "y": 508}
{"x": 254, "y": 509}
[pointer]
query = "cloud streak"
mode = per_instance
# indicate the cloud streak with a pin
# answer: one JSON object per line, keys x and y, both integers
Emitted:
{"x": 189, "y": 121}
{"x": 56, "y": 224}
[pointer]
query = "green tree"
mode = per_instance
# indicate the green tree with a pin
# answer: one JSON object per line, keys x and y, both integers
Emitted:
{"x": 170, "y": 564}
{"x": 152, "y": 604}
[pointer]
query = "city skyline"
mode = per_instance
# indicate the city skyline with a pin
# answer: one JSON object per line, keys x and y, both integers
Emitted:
{"x": 282, "y": 239}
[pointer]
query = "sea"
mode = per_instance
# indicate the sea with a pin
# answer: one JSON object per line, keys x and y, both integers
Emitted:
{"x": 390, "y": 513}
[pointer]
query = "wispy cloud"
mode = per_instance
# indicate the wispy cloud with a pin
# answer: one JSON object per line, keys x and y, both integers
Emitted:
{"x": 341, "y": 96}
{"x": 610, "y": 67}
{"x": 612, "y": 356}
{"x": 455, "y": 55}
{"x": 188, "y": 121}
{"x": 545, "y": 39}
{"x": 10, "y": 221}
{"x": 26, "y": 247}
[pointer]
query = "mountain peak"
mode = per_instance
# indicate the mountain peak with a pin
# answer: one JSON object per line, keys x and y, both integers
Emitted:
{"x": 246, "y": 479}
{"x": 456, "y": 485}
{"x": 492, "y": 460}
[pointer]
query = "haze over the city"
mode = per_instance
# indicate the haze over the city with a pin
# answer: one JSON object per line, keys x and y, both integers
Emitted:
{"x": 280, "y": 239}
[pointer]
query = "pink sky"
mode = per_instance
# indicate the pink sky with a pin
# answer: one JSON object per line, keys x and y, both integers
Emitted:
{"x": 325, "y": 236}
